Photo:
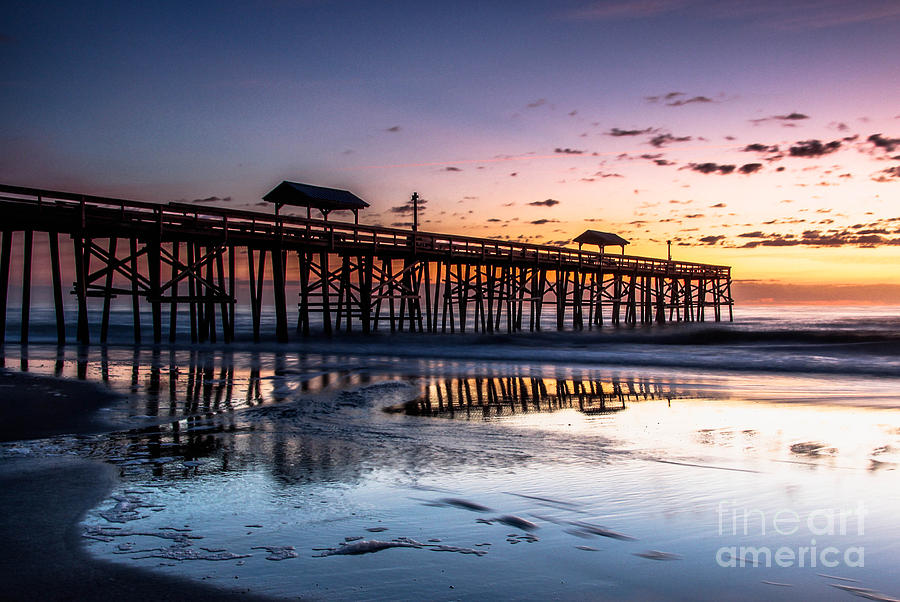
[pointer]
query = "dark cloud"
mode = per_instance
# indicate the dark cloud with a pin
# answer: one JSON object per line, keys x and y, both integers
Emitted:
{"x": 888, "y": 144}
{"x": 665, "y": 97}
{"x": 494, "y": 219}
{"x": 395, "y": 128}
{"x": 664, "y": 139}
{"x": 711, "y": 240}
{"x": 692, "y": 100}
{"x": 402, "y": 225}
{"x": 677, "y": 99}
{"x": 791, "y": 116}
{"x": 829, "y": 238}
{"x": 709, "y": 168}
{"x": 212, "y": 199}
{"x": 618, "y": 132}
{"x": 718, "y": 206}
{"x": 749, "y": 168}
{"x": 754, "y": 234}
{"x": 407, "y": 208}
{"x": 760, "y": 148}
{"x": 784, "y": 118}
{"x": 693, "y": 216}
{"x": 513, "y": 174}
{"x": 814, "y": 148}
{"x": 568, "y": 151}
{"x": 544, "y": 203}
{"x": 887, "y": 175}
{"x": 540, "y": 222}
{"x": 603, "y": 174}
{"x": 538, "y": 103}
{"x": 657, "y": 158}
{"x": 451, "y": 168}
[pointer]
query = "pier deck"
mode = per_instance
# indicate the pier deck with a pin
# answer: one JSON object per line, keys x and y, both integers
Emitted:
{"x": 347, "y": 277}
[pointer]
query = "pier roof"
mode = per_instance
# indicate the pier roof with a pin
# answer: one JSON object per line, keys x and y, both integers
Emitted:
{"x": 601, "y": 239}
{"x": 315, "y": 197}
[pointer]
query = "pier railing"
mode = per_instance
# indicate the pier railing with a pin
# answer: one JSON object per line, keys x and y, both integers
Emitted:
{"x": 293, "y": 232}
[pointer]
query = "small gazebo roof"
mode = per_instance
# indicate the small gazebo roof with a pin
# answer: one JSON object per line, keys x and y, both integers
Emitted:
{"x": 602, "y": 239}
{"x": 316, "y": 197}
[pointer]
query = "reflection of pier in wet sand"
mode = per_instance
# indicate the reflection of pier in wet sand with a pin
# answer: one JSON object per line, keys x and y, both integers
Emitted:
{"x": 504, "y": 395}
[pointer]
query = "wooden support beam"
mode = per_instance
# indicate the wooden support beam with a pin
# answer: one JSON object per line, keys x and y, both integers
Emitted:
{"x": 153, "y": 270}
{"x": 325, "y": 279}
{"x": 173, "y": 307}
{"x": 57, "y": 290}
{"x": 135, "y": 300}
{"x": 107, "y": 297}
{"x": 208, "y": 332}
{"x": 27, "y": 244}
{"x": 281, "y": 328}
{"x": 304, "y": 260}
{"x": 5, "y": 253}
{"x": 224, "y": 306}
{"x": 82, "y": 267}
{"x": 192, "y": 292}
{"x": 231, "y": 291}
{"x": 366, "y": 264}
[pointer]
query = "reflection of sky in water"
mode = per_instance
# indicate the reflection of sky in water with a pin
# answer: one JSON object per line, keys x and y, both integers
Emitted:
{"x": 300, "y": 445}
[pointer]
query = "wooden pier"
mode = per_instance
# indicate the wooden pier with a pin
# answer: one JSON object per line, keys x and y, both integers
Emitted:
{"x": 347, "y": 277}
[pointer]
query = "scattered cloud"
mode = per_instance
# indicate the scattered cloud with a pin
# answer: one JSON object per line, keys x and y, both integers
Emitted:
{"x": 541, "y": 222}
{"x": 568, "y": 151}
{"x": 814, "y": 148}
{"x": 213, "y": 199}
{"x": 711, "y": 240}
{"x": 407, "y": 208}
{"x": 817, "y": 238}
{"x": 544, "y": 203}
{"x": 393, "y": 129}
{"x": 537, "y": 103}
{"x": 791, "y": 16}
{"x": 677, "y": 99}
{"x": 890, "y": 174}
{"x": 620, "y": 132}
{"x": 760, "y": 148}
{"x": 749, "y": 168}
{"x": 718, "y": 206}
{"x": 787, "y": 119}
{"x": 709, "y": 168}
{"x": 662, "y": 140}
{"x": 451, "y": 168}
{"x": 888, "y": 144}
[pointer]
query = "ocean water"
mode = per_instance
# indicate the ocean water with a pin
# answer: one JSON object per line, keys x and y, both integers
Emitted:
{"x": 747, "y": 460}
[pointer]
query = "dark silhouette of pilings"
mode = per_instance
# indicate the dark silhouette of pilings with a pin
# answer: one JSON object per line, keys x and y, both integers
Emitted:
{"x": 347, "y": 277}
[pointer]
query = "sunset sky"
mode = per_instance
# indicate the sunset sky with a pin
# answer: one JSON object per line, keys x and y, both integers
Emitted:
{"x": 763, "y": 135}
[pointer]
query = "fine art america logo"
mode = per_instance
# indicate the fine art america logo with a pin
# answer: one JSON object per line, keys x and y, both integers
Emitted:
{"x": 818, "y": 532}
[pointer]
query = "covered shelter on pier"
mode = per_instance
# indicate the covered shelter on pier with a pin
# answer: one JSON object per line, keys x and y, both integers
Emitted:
{"x": 324, "y": 199}
{"x": 601, "y": 239}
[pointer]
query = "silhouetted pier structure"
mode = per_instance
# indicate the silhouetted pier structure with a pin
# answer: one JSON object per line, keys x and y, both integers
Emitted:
{"x": 348, "y": 277}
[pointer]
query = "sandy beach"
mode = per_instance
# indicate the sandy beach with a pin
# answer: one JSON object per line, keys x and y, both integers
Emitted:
{"x": 42, "y": 501}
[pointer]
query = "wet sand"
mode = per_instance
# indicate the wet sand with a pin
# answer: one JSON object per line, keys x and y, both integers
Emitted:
{"x": 41, "y": 502}
{"x": 34, "y": 407}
